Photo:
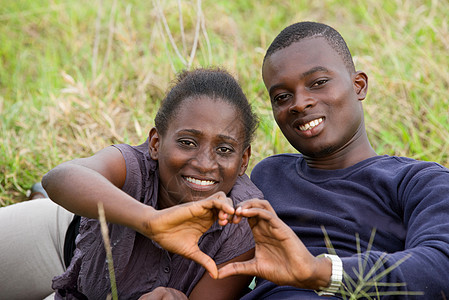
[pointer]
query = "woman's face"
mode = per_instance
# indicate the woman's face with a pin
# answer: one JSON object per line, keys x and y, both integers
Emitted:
{"x": 201, "y": 153}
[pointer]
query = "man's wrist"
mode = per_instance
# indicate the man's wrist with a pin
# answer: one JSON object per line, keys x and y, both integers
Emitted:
{"x": 336, "y": 276}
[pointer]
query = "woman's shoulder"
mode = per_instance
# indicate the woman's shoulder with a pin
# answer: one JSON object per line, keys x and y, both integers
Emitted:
{"x": 244, "y": 189}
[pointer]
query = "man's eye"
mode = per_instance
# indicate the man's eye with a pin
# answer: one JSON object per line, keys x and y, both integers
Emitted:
{"x": 281, "y": 97}
{"x": 186, "y": 143}
{"x": 319, "y": 82}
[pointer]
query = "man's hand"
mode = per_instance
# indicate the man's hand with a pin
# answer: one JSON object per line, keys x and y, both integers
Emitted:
{"x": 164, "y": 293}
{"x": 178, "y": 228}
{"x": 280, "y": 256}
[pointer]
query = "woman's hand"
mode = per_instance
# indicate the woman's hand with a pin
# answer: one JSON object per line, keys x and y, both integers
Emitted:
{"x": 178, "y": 228}
{"x": 164, "y": 293}
{"x": 280, "y": 255}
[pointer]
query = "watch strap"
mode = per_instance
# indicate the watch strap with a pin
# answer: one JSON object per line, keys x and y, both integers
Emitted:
{"x": 336, "y": 277}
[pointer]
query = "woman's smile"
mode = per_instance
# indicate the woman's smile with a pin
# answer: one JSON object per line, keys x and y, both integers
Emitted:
{"x": 199, "y": 184}
{"x": 201, "y": 153}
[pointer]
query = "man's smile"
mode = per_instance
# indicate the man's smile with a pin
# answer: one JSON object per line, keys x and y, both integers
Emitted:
{"x": 310, "y": 125}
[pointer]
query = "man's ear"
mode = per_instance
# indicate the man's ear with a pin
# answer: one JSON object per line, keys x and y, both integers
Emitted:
{"x": 245, "y": 160}
{"x": 154, "y": 143}
{"x": 361, "y": 84}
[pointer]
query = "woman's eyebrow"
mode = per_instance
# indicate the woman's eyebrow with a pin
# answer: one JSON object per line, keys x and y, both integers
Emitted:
{"x": 198, "y": 133}
{"x": 227, "y": 137}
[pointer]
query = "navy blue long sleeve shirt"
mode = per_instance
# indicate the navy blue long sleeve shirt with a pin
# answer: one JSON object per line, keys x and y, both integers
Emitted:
{"x": 405, "y": 203}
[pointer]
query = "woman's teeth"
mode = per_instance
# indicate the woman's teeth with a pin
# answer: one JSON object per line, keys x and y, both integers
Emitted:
{"x": 200, "y": 182}
{"x": 310, "y": 125}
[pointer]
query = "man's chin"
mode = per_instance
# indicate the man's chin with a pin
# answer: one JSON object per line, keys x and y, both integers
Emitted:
{"x": 317, "y": 153}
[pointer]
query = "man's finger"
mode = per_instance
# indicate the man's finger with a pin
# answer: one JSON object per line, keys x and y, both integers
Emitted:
{"x": 256, "y": 203}
{"x": 260, "y": 213}
{"x": 236, "y": 219}
{"x": 237, "y": 268}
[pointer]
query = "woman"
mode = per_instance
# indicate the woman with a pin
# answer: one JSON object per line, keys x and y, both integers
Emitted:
{"x": 199, "y": 148}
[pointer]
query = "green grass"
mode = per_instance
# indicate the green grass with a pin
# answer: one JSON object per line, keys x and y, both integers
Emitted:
{"x": 76, "y": 76}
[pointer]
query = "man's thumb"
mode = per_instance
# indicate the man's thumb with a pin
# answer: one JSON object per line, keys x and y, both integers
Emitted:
{"x": 236, "y": 268}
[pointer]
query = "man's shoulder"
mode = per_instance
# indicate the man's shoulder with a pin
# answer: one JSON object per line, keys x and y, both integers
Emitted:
{"x": 410, "y": 164}
{"x": 275, "y": 167}
{"x": 279, "y": 158}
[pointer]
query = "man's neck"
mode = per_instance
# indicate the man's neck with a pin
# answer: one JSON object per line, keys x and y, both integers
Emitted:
{"x": 352, "y": 153}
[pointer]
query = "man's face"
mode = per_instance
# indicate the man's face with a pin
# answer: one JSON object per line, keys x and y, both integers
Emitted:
{"x": 315, "y": 99}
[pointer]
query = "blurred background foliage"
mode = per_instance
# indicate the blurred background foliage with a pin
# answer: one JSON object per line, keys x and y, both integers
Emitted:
{"x": 76, "y": 76}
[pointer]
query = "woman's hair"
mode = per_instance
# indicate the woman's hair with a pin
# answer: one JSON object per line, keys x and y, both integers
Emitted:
{"x": 214, "y": 83}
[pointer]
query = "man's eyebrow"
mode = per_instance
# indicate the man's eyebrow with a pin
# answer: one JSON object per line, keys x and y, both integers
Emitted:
{"x": 192, "y": 131}
{"x": 305, "y": 74}
{"x": 314, "y": 70}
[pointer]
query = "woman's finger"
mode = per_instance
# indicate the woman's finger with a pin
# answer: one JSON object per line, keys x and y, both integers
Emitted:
{"x": 207, "y": 262}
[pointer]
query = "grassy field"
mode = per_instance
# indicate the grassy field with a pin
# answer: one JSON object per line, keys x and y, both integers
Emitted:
{"x": 76, "y": 76}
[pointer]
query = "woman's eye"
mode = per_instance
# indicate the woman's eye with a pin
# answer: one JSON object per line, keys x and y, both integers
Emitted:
{"x": 223, "y": 150}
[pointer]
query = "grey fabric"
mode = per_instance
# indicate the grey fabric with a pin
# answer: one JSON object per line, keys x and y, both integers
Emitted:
{"x": 31, "y": 248}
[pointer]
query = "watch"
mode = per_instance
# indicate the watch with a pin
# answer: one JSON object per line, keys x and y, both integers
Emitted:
{"x": 336, "y": 277}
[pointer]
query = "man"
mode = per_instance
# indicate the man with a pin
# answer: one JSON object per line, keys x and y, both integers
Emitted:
{"x": 382, "y": 221}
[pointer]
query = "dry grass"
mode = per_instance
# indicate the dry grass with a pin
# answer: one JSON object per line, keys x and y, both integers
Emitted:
{"x": 76, "y": 76}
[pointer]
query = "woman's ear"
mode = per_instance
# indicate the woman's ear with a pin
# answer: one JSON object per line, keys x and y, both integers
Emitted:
{"x": 153, "y": 143}
{"x": 245, "y": 160}
{"x": 361, "y": 84}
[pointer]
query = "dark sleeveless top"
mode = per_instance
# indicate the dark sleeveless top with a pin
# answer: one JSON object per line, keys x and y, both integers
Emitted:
{"x": 140, "y": 264}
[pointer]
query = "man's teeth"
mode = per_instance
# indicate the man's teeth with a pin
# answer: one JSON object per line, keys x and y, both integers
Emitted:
{"x": 311, "y": 124}
{"x": 200, "y": 182}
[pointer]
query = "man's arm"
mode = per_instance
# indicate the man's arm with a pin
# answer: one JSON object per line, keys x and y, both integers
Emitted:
{"x": 280, "y": 255}
{"x": 421, "y": 268}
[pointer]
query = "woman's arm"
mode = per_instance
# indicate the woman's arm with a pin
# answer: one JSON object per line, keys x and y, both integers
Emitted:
{"x": 227, "y": 288}
{"x": 81, "y": 184}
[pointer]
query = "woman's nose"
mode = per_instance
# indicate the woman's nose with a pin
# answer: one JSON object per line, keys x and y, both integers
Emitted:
{"x": 205, "y": 161}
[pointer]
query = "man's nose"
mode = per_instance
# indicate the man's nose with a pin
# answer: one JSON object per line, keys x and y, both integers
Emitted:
{"x": 301, "y": 102}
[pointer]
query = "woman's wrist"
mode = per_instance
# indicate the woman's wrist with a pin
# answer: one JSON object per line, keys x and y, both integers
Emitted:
{"x": 142, "y": 218}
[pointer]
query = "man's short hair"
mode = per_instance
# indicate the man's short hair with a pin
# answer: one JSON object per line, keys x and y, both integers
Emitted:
{"x": 302, "y": 30}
